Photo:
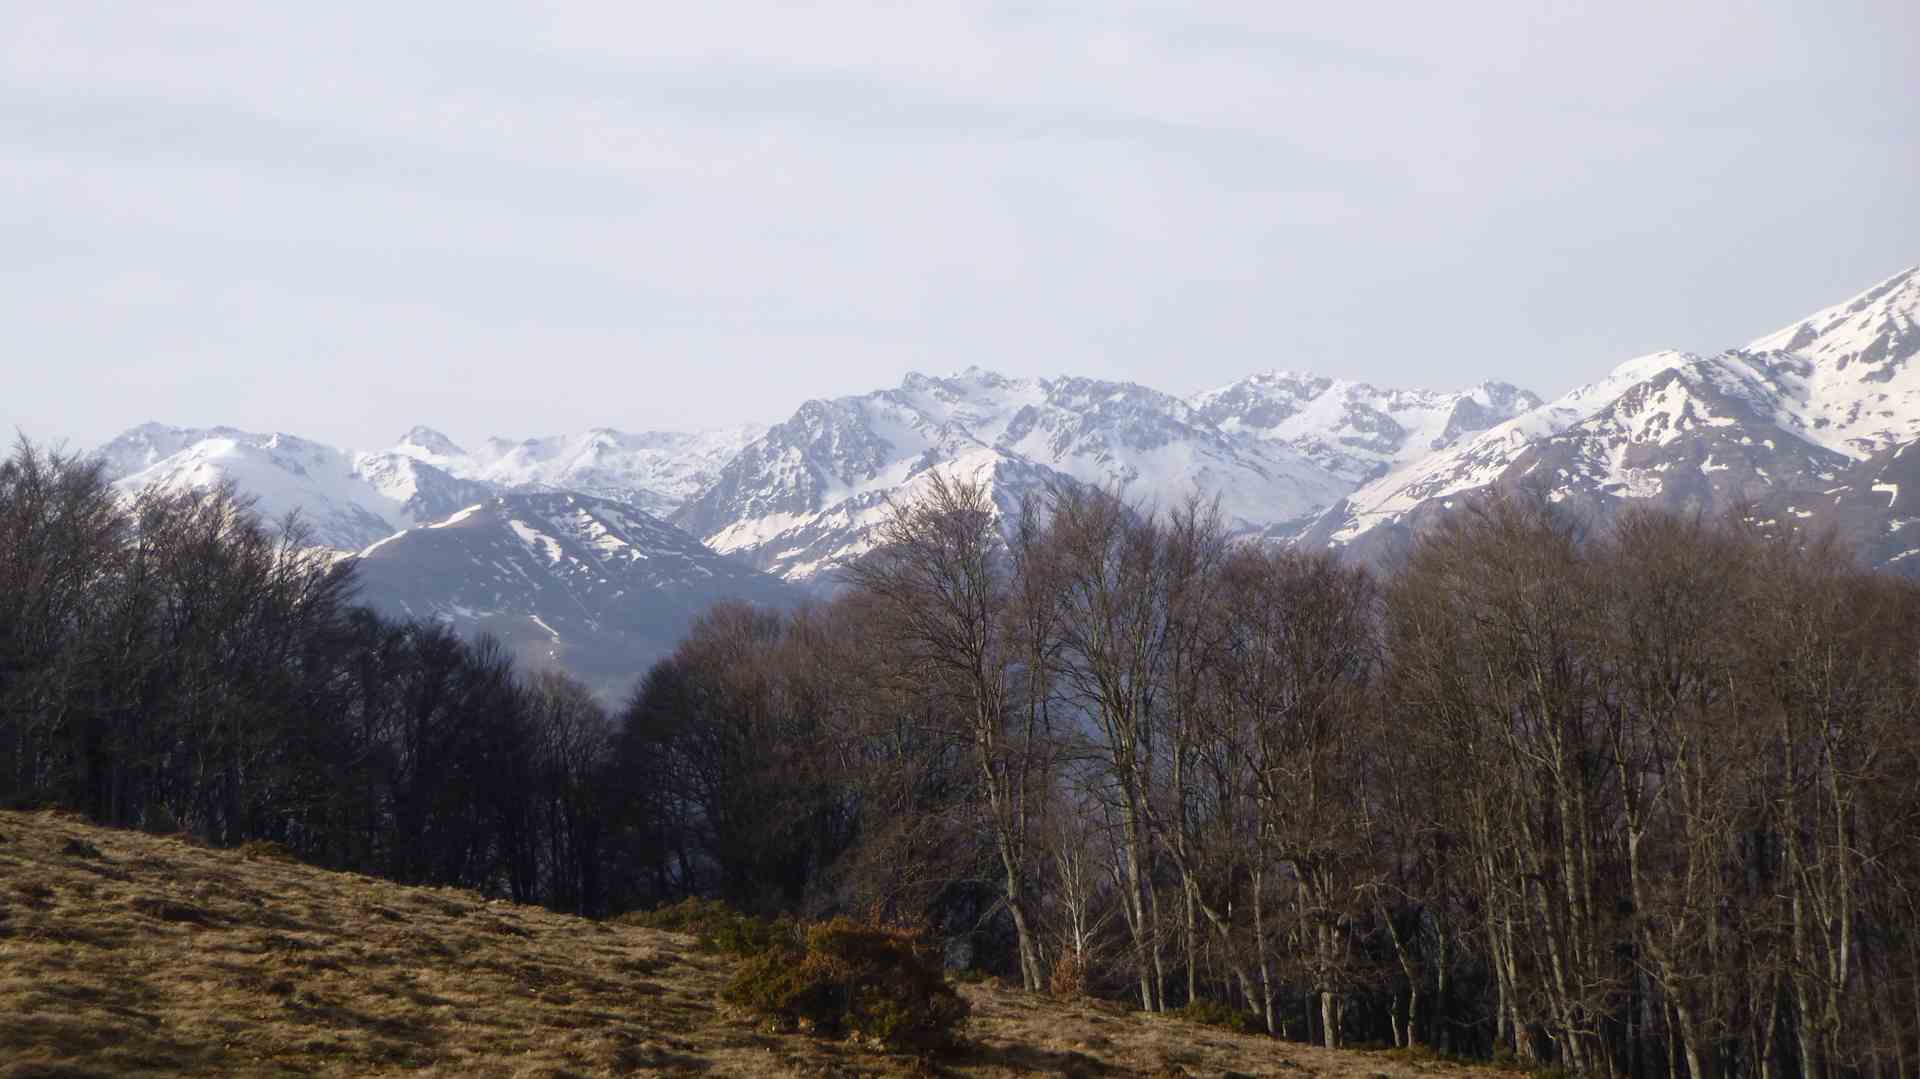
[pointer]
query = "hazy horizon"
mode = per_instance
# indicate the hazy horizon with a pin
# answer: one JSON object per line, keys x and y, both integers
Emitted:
{"x": 342, "y": 222}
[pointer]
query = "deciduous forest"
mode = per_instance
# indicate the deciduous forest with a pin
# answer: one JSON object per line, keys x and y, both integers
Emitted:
{"x": 1639, "y": 796}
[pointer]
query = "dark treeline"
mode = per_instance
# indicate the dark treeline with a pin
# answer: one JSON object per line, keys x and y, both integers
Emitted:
{"x": 1644, "y": 800}
{"x": 172, "y": 663}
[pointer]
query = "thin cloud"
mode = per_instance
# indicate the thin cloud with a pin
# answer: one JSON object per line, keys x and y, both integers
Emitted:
{"x": 348, "y": 219}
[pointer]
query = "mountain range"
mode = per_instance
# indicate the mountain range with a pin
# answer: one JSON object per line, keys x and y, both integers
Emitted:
{"x": 564, "y": 579}
{"x": 1801, "y": 421}
{"x": 595, "y": 550}
{"x": 1276, "y": 448}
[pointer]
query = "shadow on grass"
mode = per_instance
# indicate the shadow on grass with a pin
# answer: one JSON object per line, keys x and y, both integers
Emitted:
{"x": 655, "y": 1059}
{"x": 1028, "y": 1058}
{"x": 60, "y": 1025}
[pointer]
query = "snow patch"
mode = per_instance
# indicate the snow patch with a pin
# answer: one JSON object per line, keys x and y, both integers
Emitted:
{"x": 536, "y": 541}
{"x": 382, "y": 543}
{"x": 460, "y": 516}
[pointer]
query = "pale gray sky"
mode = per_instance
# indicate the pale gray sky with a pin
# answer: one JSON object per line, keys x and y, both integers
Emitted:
{"x": 341, "y": 219}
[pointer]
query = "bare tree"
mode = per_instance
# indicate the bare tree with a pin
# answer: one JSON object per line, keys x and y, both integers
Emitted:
{"x": 1304, "y": 647}
{"x": 941, "y": 582}
{"x": 1111, "y": 577}
{"x": 1491, "y": 619}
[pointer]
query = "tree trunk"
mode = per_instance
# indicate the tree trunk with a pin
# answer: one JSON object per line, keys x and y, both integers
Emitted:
{"x": 1159, "y": 943}
{"x": 1260, "y": 952}
{"x": 1412, "y": 974}
{"x": 1136, "y": 901}
{"x": 1029, "y": 959}
{"x": 1016, "y": 899}
{"x": 1193, "y": 942}
{"x": 1690, "y": 1040}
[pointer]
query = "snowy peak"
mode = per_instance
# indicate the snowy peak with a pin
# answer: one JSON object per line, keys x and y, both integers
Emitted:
{"x": 1472, "y": 411}
{"x": 1671, "y": 405}
{"x": 807, "y": 495}
{"x": 586, "y": 537}
{"x": 1596, "y": 436}
{"x": 1672, "y": 395}
{"x": 1876, "y": 329}
{"x": 427, "y": 444}
{"x": 1684, "y": 432}
{"x": 422, "y": 490}
{"x": 655, "y": 471}
{"x": 827, "y": 463}
{"x": 1797, "y": 411}
{"x": 281, "y": 473}
{"x": 562, "y": 578}
{"x": 1846, "y": 375}
{"x": 354, "y": 498}
{"x": 1353, "y": 429}
{"x": 149, "y": 444}
{"x": 1701, "y": 436}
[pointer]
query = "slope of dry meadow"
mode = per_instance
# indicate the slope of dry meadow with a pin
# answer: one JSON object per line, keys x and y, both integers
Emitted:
{"x": 124, "y": 953}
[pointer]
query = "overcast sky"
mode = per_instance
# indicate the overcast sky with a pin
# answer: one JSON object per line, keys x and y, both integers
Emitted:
{"x": 341, "y": 219}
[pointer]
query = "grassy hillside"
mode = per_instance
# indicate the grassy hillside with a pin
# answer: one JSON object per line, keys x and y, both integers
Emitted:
{"x": 128, "y": 953}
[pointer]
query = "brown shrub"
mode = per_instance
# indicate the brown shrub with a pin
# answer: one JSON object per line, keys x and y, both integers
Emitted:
{"x": 1213, "y": 1013}
{"x": 259, "y": 850}
{"x": 167, "y": 910}
{"x": 717, "y": 926}
{"x": 1068, "y": 979}
{"x": 882, "y": 985}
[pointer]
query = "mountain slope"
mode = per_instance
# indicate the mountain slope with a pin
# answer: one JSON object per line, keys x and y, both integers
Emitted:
{"x": 353, "y": 498}
{"x": 425, "y": 493}
{"x": 1852, "y": 383}
{"x": 346, "y": 500}
{"x": 1354, "y": 430}
{"x": 595, "y": 586}
{"x": 1787, "y": 415}
{"x": 655, "y": 471}
{"x": 1873, "y": 505}
{"x": 1807, "y": 423}
{"x": 798, "y": 498}
{"x": 1273, "y": 448}
{"x": 564, "y": 579}
{"x": 126, "y": 952}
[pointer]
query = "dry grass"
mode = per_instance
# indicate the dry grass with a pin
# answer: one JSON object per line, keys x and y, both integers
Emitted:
{"x": 123, "y": 953}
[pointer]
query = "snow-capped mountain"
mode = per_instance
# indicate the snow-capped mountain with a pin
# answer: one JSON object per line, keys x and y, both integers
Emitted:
{"x": 1274, "y": 447}
{"x": 1846, "y": 376}
{"x": 425, "y": 493}
{"x": 347, "y": 500}
{"x": 350, "y": 499}
{"x": 1796, "y": 411}
{"x": 1354, "y": 430}
{"x": 562, "y": 578}
{"x": 656, "y": 471}
{"x": 555, "y": 543}
{"x": 809, "y": 493}
{"x": 1874, "y": 505}
{"x": 595, "y": 585}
